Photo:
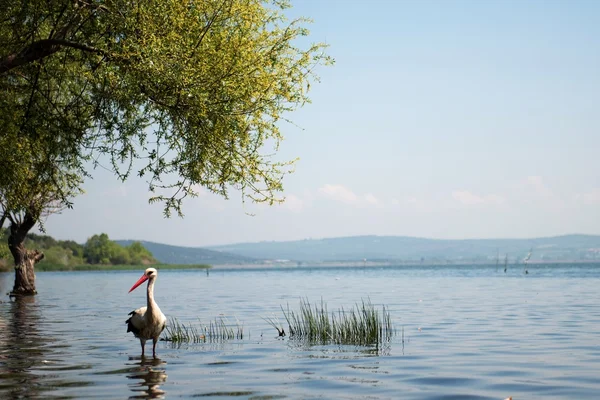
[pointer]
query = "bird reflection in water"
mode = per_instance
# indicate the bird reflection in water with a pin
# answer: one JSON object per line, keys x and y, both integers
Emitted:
{"x": 149, "y": 374}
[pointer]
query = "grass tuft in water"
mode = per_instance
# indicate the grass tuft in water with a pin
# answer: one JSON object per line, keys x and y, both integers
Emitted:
{"x": 274, "y": 322}
{"x": 361, "y": 325}
{"x": 218, "y": 330}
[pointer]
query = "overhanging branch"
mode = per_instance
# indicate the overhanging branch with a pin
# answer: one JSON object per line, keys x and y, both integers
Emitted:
{"x": 41, "y": 49}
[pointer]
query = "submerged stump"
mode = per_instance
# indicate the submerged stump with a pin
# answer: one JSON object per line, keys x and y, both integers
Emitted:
{"x": 25, "y": 274}
{"x": 24, "y": 259}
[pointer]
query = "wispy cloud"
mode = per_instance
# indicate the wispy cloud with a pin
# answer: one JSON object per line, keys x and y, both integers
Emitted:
{"x": 470, "y": 199}
{"x": 537, "y": 183}
{"x": 344, "y": 195}
{"x": 371, "y": 199}
{"x": 411, "y": 204}
{"x": 339, "y": 193}
{"x": 533, "y": 190}
{"x": 410, "y": 200}
{"x": 589, "y": 198}
{"x": 293, "y": 203}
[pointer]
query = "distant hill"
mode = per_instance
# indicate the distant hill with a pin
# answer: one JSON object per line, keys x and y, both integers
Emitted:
{"x": 401, "y": 248}
{"x": 384, "y": 249}
{"x": 168, "y": 254}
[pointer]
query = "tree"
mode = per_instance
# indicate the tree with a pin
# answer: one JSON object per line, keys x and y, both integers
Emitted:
{"x": 4, "y": 252}
{"x": 40, "y": 144}
{"x": 75, "y": 248}
{"x": 184, "y": 94}
{"x": 35, "y": 183}
{"x": 98, "y": 249}
{"x": 138, "y": 254}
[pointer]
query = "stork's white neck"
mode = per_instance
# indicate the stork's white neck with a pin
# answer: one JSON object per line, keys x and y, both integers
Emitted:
{"x": 150, "y": 303}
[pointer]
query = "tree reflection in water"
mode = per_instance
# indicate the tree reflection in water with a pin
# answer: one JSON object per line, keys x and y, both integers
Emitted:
{"x": 22, "y": 348}
{"x": 149, "y": 374}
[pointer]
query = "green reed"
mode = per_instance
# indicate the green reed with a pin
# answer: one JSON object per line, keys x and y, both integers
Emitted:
{"x": 274, "y": 322}
{"x": 218, "y": 330}
{"x": 361, "y": 325}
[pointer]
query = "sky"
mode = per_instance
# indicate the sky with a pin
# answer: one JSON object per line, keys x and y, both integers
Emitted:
{"x": 440, "y": 119}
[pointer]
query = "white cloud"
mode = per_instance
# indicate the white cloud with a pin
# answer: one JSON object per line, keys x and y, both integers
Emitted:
{"x": 411, "y": 200}
{"x": 339, "y": 193}
{"x": 344, "y": 195}
{"x": 411, "y": 203}
{"x": 467, "y": 198}
{"x": 293, "y": 203}
{"x": 369, "y": 198}
{"x": 589, "y": 198}
{"x": 537, "y": 183}
{"x": 534, "y": 192}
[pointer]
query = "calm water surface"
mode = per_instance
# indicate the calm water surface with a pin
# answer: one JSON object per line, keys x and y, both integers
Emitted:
{"x": 469, "y": 333}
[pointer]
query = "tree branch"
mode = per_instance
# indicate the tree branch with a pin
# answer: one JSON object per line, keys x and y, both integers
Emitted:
{"x": 19, "y": 229}
{"x": 10, "y": 217}
{"x": 36, "y": 256}
{"x": 41, "y": 49}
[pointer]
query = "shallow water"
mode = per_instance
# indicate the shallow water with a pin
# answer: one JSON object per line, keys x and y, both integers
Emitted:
{"x": 469, "y": 333}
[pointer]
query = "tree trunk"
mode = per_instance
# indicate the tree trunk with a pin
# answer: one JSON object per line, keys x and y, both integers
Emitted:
{"x": 25, "y": 260}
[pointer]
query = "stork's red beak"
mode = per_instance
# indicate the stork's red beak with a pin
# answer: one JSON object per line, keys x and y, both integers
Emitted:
{"x": 143, "y": 279}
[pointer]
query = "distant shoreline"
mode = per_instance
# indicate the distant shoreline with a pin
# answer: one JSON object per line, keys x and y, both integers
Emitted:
{"x": 294, "y": 265}
{"x": 97, "y": 267}
{"x": 374, "y": 264}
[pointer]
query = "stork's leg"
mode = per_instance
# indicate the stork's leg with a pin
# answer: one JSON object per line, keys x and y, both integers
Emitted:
{"x": 143, "y": 343}
{"x": 154, "y": 340}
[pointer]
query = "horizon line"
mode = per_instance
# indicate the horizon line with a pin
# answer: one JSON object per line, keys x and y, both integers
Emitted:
{"x": 357, "y": 236}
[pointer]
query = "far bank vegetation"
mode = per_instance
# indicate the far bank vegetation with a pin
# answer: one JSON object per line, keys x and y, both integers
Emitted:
{"x": 98, "y": 250}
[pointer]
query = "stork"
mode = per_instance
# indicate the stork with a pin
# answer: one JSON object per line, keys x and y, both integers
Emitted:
{"x": 147, "y": 322}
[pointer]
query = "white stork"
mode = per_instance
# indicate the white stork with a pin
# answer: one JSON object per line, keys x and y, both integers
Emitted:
{"x": 147, "y": 322}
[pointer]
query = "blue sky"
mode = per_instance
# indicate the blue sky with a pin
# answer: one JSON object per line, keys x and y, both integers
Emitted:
{"x": 439, "y": 119}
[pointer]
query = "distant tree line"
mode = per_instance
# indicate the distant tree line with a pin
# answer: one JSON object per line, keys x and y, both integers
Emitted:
{"x": 98, "y": 249}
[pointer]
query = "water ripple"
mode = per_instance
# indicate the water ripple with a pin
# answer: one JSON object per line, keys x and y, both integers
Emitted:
{"x": 469, "y": 333}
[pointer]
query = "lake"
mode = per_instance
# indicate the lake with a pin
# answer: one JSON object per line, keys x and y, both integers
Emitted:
{"x": 470, "y": 332}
